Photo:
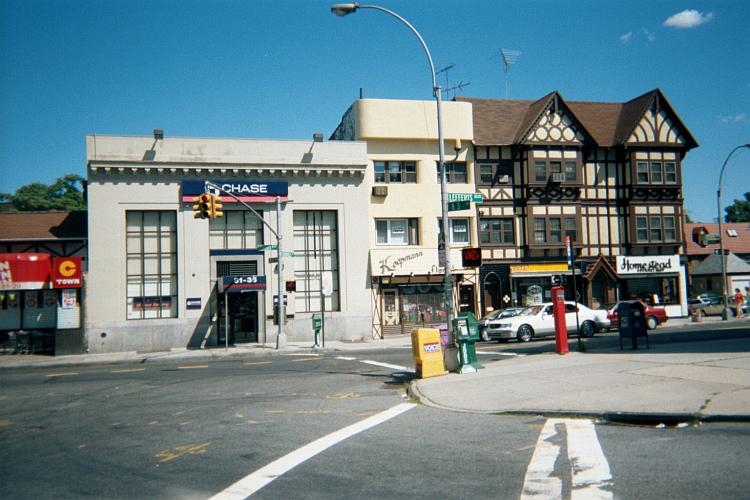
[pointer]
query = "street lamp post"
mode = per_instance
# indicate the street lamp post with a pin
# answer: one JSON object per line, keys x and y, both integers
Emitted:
{"x": 349, "y": 8}
{"x": 725, "y": 311}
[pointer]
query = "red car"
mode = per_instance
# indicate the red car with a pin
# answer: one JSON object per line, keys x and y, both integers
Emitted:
{"x": 655, "y": 316}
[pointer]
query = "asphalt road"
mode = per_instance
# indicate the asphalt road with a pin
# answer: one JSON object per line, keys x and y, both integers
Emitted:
{"x": 174, "y": 430}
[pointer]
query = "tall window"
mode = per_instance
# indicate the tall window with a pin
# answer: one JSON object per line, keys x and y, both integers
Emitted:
{"x": 459, "y": 229}
{"x": 316, "y": 260}
{"x": 237, "y": 229}
{"x": 396, "y": 171}
{"x": 455, "y": 172}
{"x": 655, "y": 229}
{"x": 496, "y": 231}
{"x": 396, "y": 232}
{"x": 151, "y": 253}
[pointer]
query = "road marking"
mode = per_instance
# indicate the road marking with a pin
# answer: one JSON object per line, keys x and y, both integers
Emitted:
{"x": 258, "y": 479}
{"x": 62, "y": 374}
{"x": 387, "y": 365}
{"x": 129, "y": 370}
{"x": 345, "y": 358}
{"x": 260, "y": 363}
{"x": 591, "y": 477}
{"x": 191, "y": 367}
{"x": 343, "y": 395}
{"x": 305, "y": 359}
{"x": 192, "y": 449}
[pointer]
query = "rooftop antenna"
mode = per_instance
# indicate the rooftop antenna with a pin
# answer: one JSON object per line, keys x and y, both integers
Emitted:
{"x": 510, "y": 56}
{"x": 445, "y": 70}
{"x": 459, "y": 86}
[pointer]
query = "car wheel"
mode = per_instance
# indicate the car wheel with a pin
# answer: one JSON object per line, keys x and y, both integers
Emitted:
{"x": 485, "y": 336}
{"x": 525, "y": 333}
{"x": 651, "y": 322}
{"x": 588, "y": 329}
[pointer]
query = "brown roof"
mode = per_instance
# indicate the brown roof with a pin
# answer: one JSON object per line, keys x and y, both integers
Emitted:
{"x": 20, "y": 226}
{"x": 739, "y": 244}
{"x": 500, "y": 122}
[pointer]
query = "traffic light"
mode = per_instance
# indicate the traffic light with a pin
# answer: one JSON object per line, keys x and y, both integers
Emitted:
{"x": 203, "y": 206}
{"x": 216, "y": 207}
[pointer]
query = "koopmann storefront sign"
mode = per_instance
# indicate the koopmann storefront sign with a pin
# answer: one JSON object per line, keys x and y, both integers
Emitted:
{"x": 249, "y": 191}
{"x": 648, "y": 264}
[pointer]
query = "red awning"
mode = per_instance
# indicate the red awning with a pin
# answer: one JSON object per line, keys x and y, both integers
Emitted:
{"x": 25, "y": 271}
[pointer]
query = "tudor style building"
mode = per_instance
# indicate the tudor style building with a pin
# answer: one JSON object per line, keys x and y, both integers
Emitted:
{"x": 606, "y": 175}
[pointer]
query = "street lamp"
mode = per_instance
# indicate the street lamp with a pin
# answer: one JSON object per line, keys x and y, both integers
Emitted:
{"x": 724, "y": 312}
{"x": 344, "y": 9}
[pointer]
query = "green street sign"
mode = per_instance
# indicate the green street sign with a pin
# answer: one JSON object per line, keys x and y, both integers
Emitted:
{"x": 458, "y": 205}
{"x": 473, "y": 197}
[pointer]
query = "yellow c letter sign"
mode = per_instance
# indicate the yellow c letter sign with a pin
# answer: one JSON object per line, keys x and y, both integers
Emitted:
{"x": 67, "y": 268}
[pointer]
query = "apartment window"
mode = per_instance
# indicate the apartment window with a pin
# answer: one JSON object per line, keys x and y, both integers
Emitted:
{"x": 396, "y": 232}
{"x": 656, "y": 172}
{"x": 459, "y": 229}
{"x": 316, "y": 257}
{"x": 496, "y": 231}
{"x": 486, "y": 174}
{"x": 544, "y": 169}
{"x": 553, "y": 230}
{"x": 455, "y": 172}
{"x": 151, "y": 255}
{"x": 499, "y": 172}
{"x": 396, "y": 171}
{"x": 237, "y": 229}
{"x": 655, "y": 229}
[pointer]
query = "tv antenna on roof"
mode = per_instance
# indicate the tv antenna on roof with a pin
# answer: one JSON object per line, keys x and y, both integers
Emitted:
{"x": 510, "y": 56}
{"x": 460, "y": 85}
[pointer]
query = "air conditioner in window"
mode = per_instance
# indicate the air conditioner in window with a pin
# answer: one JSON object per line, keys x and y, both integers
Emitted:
{"x": 503, "y": 179}
{"x": 380, "y": 190}
{"x": 559, "y": 177}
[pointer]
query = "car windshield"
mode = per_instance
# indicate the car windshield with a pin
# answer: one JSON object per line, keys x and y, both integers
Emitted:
{"x": 530, "y": 311}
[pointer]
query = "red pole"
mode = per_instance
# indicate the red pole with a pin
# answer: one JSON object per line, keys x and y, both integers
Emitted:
{"x": 558, "y": 310}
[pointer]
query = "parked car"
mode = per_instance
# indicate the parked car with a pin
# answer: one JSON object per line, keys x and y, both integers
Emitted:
{"x": 538, "y": 321}
{"x": 496, "y": 314}
{"x": 708, "y": 306}
{"x": 655, "y": 315}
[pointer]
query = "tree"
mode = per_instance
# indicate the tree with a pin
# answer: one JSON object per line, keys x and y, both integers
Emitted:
{"x": 739, "y": 211}
{"x": 63, "y": 194}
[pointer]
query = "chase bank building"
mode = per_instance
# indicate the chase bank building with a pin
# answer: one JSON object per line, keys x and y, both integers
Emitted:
{"x": 159, "y": 278}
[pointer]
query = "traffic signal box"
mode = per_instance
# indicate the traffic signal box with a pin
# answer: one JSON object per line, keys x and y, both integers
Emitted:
{"x": 217, "y": 207}
{"x": 427, "y": 352}
{"x": 207, "y": 206}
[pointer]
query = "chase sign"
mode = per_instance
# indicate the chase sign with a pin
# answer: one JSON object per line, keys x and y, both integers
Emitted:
{"x": 247, "y": 191}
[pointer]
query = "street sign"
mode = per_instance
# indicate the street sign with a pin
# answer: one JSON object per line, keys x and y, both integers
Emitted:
{"x": 458, "y": 205}
{"x": 569, "y": 249}
{"x": 475, "y": 197}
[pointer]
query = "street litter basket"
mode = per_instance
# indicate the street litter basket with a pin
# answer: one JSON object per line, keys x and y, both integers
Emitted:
{"x": 427, "y": 352}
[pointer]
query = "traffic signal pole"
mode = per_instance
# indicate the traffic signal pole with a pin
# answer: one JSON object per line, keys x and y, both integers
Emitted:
{"x": 280, "y": 313}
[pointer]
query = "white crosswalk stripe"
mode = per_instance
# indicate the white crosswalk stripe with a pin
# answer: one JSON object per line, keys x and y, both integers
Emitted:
{"x": 590, "y": 474}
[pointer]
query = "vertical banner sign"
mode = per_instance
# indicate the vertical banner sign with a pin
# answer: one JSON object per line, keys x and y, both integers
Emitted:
{"x": 569, "y": 249}
{"x": 66, "y": 272}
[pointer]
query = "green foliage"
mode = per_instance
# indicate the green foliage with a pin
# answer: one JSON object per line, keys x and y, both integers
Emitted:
{"x": 739, "y": 211}
{"x": 63, "y": 194}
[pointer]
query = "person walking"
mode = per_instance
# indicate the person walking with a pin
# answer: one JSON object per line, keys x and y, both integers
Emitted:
{"x": 739, "y": 300}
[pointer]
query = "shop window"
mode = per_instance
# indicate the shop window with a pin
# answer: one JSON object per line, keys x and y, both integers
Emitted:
{"x": 396, "y": 232}
{"x": 238, "y": 229}
{"x": 395, "y": 172}
{"x": 151, "y": 264}
{"x": 496, "y": 231}
{"x": 455, "y": 172}
{"x": 459, "y": 229}
{"x": 316, "y": 260}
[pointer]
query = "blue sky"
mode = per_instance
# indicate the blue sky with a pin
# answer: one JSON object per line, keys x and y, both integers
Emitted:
{"x": 287, "y": 69}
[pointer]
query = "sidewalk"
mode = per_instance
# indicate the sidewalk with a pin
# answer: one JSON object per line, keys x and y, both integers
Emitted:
{"x": 706, "y": 380}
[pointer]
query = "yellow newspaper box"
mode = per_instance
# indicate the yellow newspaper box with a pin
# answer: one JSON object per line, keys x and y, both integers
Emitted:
{"x": 427, "y": 352}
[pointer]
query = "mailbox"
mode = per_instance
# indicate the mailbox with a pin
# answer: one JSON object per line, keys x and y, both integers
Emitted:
{"x": 466, "y": 328}
{"x": 558, "y": 311}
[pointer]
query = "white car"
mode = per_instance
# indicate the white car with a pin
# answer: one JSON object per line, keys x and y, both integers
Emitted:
{"x": 538, "y": 321}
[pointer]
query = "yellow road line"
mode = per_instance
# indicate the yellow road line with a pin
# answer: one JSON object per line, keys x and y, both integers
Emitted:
{"x": 260, "y": 363}
{"x": 190, "y": 367}
{"x": 62, "y": 374}
{"x": 129, "y": 370}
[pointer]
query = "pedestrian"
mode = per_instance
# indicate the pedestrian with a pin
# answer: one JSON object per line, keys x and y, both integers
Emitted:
{"x": 739, "y": 299}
